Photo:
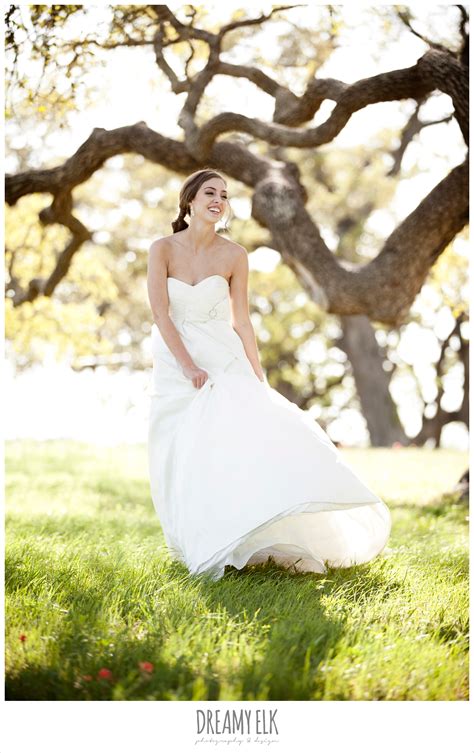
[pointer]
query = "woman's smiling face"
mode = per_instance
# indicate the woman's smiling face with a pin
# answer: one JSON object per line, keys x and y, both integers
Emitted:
{"x": 210, "y": 201}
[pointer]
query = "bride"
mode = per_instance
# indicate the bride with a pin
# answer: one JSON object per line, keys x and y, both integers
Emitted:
{"x": 238, "y": 473}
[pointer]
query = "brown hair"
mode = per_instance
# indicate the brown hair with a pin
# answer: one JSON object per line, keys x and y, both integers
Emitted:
{"x": 189, "y": 189}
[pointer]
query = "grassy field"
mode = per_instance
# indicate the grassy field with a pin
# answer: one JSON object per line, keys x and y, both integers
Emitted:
{"x": 96, "y": 609}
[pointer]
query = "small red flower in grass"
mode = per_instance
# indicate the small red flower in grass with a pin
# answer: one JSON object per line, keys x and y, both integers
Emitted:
{"x": 22, "y": 637}
{"x": 146, "y": 666}
{"x": 104, "y": 673}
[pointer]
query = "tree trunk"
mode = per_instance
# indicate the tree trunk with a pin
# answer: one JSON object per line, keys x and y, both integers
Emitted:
{"x": 462, "y": 487}
{"x": 372, "y": 381}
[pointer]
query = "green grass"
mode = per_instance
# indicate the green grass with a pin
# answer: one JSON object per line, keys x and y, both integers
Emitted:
{"x": 91, "y": 586}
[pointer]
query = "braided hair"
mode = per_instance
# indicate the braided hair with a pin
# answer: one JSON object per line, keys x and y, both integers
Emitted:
{"x": 180, "y": 223}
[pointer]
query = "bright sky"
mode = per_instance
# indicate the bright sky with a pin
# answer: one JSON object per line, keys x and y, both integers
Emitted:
{"x": 131, "y": 89}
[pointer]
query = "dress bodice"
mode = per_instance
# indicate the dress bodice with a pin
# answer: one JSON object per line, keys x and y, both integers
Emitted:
{"x": 201, "y": 314}
{"x": 208, "y": 300}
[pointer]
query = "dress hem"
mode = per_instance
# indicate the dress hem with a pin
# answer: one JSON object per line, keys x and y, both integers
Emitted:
{"x": 214, "y": 566}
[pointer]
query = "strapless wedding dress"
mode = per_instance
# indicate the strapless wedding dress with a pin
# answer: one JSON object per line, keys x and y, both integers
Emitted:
{"x": 237, "y": 471}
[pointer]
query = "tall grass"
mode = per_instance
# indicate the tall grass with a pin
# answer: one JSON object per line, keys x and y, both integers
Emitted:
{"x": 96, "y": 609}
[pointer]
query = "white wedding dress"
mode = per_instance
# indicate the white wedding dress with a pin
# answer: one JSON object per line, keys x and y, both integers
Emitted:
{"x": 237, "y": 471}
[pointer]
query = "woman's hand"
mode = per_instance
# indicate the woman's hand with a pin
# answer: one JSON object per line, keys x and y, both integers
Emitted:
{"x": 198, "y": 376}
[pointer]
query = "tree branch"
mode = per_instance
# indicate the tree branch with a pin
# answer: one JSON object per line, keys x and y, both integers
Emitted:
{"x": 432, "y": 427}
{"x": 397, "y": 273}
{"x": 279, "y": 206}
{"x": 405, "y": 18}
{"x": 279, "y": 197}
{"x": 413, "y": 126}
{"x": 433, "y": 70}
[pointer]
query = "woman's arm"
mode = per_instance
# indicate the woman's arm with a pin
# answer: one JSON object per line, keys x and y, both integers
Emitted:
{"x": 241, "y": 322}
{"x": 159, "y": 302}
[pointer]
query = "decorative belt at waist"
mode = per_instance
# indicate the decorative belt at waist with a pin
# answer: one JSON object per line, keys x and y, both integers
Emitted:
{"x": 192, "y": 313}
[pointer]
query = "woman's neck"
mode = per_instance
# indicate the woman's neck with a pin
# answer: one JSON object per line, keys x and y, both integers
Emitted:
{"x": 200, "y": 237}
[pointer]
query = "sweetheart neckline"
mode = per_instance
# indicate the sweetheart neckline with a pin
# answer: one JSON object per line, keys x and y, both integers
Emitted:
{"x": 197, "y": 283}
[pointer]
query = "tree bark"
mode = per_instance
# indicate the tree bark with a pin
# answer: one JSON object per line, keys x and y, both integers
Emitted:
{"x": 372, "y": 381}
{"x": 384, "y": 289}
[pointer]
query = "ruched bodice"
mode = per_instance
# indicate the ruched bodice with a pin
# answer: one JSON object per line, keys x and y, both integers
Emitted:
{"x": 206, "y": 301}
{"x": 237, "y": 471}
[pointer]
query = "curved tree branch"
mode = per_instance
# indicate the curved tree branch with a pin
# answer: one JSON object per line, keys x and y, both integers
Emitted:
{"x": 435, "y": 70}
{"x": 279, "y": 197}
{"x": 396, "y": 273}
{"x": 279, "y": 205}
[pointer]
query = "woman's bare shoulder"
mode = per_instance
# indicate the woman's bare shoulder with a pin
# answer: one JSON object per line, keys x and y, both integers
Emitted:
{"x": 164, "y": 244}
{"x": 230, "y": 243}
{"x": 235, "y": 250}
{"x": 158, "y": 244}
